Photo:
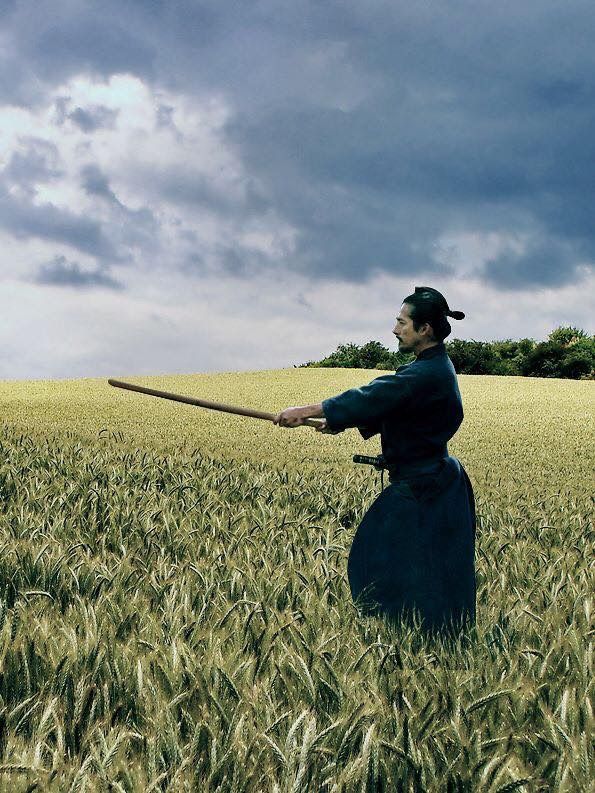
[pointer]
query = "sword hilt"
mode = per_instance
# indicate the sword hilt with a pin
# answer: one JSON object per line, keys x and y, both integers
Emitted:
{"x": 378, "y": 462}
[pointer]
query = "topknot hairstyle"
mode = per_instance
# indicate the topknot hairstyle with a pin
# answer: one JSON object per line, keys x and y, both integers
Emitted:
{"x": 429, "y": 305}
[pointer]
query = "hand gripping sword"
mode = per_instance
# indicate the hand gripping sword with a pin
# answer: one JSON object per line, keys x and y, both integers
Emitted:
{"x": 204, "y": 403}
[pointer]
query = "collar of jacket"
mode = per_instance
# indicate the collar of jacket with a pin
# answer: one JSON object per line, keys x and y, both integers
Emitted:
{"x": 430, "y": 352}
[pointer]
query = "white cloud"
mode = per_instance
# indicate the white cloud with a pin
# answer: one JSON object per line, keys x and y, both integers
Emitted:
{"x": 162, "y": 153}
{"x": 172, "y": 324}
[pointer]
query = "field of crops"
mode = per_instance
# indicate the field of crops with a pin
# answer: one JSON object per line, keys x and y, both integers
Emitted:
{"x": 175, "y": 612}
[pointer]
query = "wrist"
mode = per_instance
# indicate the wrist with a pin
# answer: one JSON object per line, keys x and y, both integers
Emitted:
{"x": 312, "y": 411}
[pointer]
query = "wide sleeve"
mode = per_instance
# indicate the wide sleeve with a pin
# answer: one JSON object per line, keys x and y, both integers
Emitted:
{"x": 369, "y": 430}
{"x": 367, "y": 406}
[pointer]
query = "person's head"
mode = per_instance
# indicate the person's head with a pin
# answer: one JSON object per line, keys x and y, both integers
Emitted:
{"x": 422, "y": 321}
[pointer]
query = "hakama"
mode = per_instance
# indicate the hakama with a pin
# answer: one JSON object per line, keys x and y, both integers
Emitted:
{"x": 414, "y": 550}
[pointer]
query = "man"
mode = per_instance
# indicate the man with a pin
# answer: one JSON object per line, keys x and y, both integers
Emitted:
{"x": 414, "y": 550}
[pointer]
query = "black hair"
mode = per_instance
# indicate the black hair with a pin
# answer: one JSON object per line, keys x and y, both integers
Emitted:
{"x": 428, "y": 305}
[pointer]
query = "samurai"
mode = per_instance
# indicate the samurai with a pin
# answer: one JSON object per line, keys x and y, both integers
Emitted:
{"x": 414, "y": 550}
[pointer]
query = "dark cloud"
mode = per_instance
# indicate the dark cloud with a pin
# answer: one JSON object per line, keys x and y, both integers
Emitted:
{"x": 24, "y": 220}
{"x": 229, "y": 260}
{"x": 93, "y": 118}
{"x": 302, "y": 300}
{"x": 545, "y": 264}
{"x": 164, "y": 117}
{"x": 240, "y": 261}
{"x": 36, "y": 161}
{"x": 185, "y": 185}
{"x": 93, "y": 42}
{"x": 194, "y": 264}
{"x": 96, "y": 183}
{"x": 7, "y": 7}
{"x": 134, "y": 227}
{"x": 372, "y": 129}
{"x": 61, "y": 272}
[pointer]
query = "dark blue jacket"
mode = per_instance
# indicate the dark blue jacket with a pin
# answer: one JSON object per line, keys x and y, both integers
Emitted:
{"x": 416, "y": 410}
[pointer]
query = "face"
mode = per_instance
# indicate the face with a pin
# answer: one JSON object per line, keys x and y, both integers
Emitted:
{"x": 410, "y": 340}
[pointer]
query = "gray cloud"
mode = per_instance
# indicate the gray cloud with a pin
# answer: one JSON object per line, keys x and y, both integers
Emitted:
{"x": 372, "y": 129}
{"x": 91, "y": 41}
{"x": 7, "y": 8}
{"x": 164, "y": 117}
{"x": 37, "y": 161}
{"x": 546, "y": 263}
{"x": 93, "y": 118}
{"x": 185, "y": 185}
{"x": 96, "y": 183}
{"x": 61, "y": 272}
{"x": 136, "y": 227}
{"x": 24, "y": 219}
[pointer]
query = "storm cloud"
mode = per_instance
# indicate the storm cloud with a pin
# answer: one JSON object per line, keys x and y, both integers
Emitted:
{"x": 92, "y": 118}
{"x": 25, "y": 219}
{"x": 61, "y": 272}
{"x": 336, "y": 144}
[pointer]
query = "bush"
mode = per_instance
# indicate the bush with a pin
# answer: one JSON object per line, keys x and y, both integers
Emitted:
{"x": 568, "y": 352}
{"x": 577, "y": 364}
{"x": 545, "y": 360}
{"x": 566, "y": 335}
{"x": 472, "y": 357}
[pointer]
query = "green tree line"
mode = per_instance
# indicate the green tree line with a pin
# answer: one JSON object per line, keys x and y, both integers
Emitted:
{"x": 568, "y": 353}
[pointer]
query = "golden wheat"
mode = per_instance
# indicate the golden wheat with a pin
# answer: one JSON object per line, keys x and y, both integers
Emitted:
{"x": 175, "y": 613}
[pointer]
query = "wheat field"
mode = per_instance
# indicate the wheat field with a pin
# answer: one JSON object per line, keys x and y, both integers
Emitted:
{"x": 175, "y": 612}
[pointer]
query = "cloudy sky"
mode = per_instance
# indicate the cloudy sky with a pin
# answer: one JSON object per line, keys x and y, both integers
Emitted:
{"x": 193, "y": 186}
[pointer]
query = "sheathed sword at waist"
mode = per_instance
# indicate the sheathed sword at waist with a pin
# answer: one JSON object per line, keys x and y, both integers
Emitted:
{"x": 204, "y": 403}
{"x": 378, "y": 462}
